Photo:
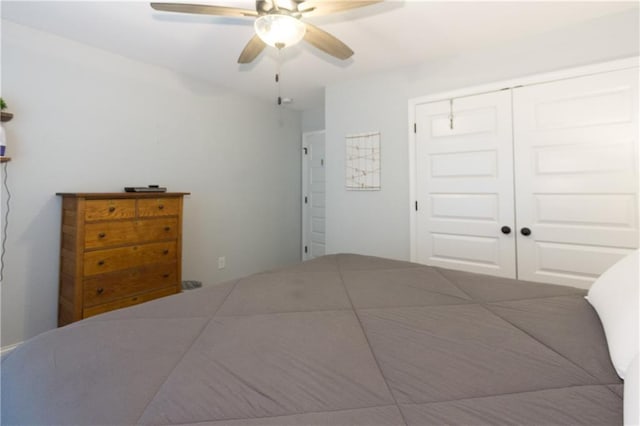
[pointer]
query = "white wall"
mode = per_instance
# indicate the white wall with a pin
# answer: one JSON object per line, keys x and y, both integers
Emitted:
{"x": 313, "y": 119}
{"x": 377, "y": 223}
{"x": 368, "y": 222}
{"x": 86, "y": 120}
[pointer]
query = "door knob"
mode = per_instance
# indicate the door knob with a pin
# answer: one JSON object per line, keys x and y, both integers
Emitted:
{"x": 505, "y": 230}
{"x": 525, "y": 231}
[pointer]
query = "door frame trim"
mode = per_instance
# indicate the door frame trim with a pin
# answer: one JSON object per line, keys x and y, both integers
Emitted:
{"x": 305, "y": 209}
{"x": 598, "y": 68}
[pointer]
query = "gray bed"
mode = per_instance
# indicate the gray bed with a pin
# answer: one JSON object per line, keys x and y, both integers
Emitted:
{"x": 340, "y": 340}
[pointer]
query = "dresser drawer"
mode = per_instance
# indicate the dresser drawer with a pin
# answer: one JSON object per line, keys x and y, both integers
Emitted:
{"x": 109, "y": 209}
{"x": 128, "y": 301}
{"x": 109, "y": 260}
{"x": 151, "y": 207}
{"x": 105, "y": 288}
{"x": 108, "y": 234}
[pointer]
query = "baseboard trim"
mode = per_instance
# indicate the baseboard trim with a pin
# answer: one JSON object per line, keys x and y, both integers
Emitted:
{"x": 5, "y": 350}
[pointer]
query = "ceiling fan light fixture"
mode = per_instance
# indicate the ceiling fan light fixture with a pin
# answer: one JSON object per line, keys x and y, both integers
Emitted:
{"x": 280, "y": 30}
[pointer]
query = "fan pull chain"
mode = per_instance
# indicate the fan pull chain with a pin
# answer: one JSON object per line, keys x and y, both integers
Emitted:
{"x": 278, "y": 75}
{"x": 451, "y": 114}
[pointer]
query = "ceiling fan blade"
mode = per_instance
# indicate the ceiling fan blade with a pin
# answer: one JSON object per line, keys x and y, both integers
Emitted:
{"x": 251, "y": 50}
{"x": 327, "y": 43}
{"x": 203, "y": 9}
{"x": 325, "y": 7}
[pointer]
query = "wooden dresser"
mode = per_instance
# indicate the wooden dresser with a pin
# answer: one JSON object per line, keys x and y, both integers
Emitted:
{"x": 117, "y": 250}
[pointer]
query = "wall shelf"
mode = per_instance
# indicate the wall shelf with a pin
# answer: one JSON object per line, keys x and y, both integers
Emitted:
{"x": 6, "y": 116}
{"x": 5, "y": 159}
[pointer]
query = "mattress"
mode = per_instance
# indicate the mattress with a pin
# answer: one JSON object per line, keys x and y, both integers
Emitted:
{"x": 339, "y": 340}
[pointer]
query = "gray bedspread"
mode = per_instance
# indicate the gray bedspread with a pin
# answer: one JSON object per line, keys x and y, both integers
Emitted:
{"x": 340, "y": 340}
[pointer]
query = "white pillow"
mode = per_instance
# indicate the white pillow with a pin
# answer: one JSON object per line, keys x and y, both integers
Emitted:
{"x": 615, "y": 298}
{"x": 632, "y": 393}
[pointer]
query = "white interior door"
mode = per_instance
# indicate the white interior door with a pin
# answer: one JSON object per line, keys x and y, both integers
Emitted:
{"x": 313, "y": 195}
{"x": 576, "y": 147}
{"x": 464, "y": 185}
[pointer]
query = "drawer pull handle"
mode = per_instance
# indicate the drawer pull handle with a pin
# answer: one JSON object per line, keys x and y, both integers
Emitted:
{"x": 167, "y": 228}
{"x": 101, "y": 262}
{"x": 100, "y": 290}
{"x": 134, "y": 299}
{"x": 112, "y": 209}
{"x": 165, "y": 275}
{"x": 160, "y": 207}
{"x": 102, "y": 235}
{"x": 165, "y": 251}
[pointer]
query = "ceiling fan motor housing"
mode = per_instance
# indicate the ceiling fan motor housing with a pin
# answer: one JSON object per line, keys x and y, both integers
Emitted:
{"x": 288, "y": 7}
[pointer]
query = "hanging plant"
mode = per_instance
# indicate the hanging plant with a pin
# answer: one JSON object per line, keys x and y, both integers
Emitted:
{"x": 6, "y": 116}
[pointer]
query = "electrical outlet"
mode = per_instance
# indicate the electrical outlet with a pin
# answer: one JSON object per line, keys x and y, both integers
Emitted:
{"x": 222, "y": 262}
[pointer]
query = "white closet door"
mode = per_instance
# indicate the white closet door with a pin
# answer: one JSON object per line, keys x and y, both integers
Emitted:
{"x": 465, "y": 184}
{"x": 313, "y": 196}
{"x": 576, "y": 168}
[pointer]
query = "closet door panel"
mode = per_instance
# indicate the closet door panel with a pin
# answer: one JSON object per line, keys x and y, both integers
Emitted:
{"x": 465, "y": 184}
{"x": 576, "y": 176}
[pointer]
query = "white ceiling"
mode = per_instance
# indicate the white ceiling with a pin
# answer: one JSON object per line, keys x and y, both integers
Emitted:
{"x": 384, "y": 36}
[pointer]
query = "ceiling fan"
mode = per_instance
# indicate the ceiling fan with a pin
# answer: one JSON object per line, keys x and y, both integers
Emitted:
{"x": 278, "y": 23}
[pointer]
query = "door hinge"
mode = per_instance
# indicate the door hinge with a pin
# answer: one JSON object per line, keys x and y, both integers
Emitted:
{"x": 322, "y": 162}
{"x": 415, "y": 128}
{"x": 416, "y": 205}
{"x": 306, "y": 249}
{"x": 306, "y": 200}
{"x": 306, "y": 151}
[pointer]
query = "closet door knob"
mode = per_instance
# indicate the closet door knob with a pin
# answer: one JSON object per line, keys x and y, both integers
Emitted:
{"x": 525, "y": 231}
{"x": 505, "y": 230}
